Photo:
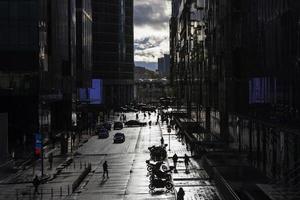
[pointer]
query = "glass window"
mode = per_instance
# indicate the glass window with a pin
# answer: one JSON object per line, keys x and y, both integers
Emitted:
{"x": 4, "y": 33}
{"x": 13, "y": 9}
{"x": 3, "y": 11}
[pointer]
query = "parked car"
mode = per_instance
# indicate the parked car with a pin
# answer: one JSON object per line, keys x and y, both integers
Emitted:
{"x": 102, "y": 133}
{"x": 107, "y": 125}
{"x": 135, "y": 123}
{"x": 118, "y": 125}
{"x": 148, "y": 108}
{"x": 119, "y": 138}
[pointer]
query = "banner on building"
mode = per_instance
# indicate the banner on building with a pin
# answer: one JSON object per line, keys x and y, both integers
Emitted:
{"x": 38, "y": 144}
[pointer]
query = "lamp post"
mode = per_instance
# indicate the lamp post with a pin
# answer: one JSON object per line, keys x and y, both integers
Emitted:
{"x": 169, "y": 130}
{"x": 41, "y": 103}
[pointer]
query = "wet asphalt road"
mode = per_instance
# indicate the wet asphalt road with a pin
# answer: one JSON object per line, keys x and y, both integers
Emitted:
{"x": 128, "y": 176}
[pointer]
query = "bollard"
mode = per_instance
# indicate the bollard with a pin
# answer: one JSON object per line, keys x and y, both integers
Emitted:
{"x": 60, "y": 191}
{"x": 68, "y": 189}
{"x": 41, "y": 193}
{"x": 17, "y": 194}
{"x": 51, "y": 192}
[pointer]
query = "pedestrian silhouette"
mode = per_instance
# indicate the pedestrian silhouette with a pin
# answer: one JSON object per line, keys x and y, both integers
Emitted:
{"x": 36, "y": 183}
{"x": 162, "y": 141}
{"x": 50, "y": 159}
{"x": 186, "y": 162}
{"x": 180, "y": 194}
{"x": 175, "y": 159}
{"x": 105, "y": 169}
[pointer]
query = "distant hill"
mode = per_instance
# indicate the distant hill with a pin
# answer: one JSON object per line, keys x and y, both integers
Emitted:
{"x": 148, "y": 65}
{"x": 143, "y": 73}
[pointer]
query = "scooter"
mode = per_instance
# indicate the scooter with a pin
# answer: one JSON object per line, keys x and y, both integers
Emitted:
{"x": 160, "y": 183}
{"x": 157, "y": 166}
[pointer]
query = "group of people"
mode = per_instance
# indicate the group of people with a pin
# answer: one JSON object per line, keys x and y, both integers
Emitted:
{"x": 123, "y": 117}
{"x": 186, "y": 161}
{"x": 181, "y": 193}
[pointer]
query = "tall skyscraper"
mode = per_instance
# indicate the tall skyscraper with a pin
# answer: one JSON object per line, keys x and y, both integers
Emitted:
{"x": 164, "y": 65}
{"x": 38, "y": 69}
{"x": 113, "y": 65}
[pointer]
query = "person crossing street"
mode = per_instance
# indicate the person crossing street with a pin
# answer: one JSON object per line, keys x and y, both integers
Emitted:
{"x": 105, "y": 169}
{"x": 175, "y": 159}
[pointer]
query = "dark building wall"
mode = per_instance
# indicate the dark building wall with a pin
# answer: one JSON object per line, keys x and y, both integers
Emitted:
{"x": 19, "y": 66}
{"x": 19, "y": 35}
{"x": 3, "y": 137}
{"x": 84, "y": 43}
{"x": 253, "y": 49}
{"x": 249, "y": 88}
{"x": 37, "y": 67}
{"x": 113, "y": 49}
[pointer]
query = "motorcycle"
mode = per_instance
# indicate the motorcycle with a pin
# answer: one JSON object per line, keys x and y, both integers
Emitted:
{"x": 161, "y": 174}
{"x": 158, "y": 153}
{"x": 160, "y": 183}
{"x": 157, "y": 166}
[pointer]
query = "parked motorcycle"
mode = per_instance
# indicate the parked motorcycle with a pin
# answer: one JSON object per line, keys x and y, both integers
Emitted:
{"x": 158, "y": 153}
{"x": 161, "y": 183}
{"x": 161, "y": 174}
{"x": 156, "y": 166}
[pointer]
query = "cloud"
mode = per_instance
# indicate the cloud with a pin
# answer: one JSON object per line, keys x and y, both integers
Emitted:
{"x": 148, "y": 42}
{"x": 153, "y": 14}
{"x": 151, "y": 29}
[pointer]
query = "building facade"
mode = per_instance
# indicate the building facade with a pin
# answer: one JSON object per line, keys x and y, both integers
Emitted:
{"x": 163, "y": 64}
{"x": 38, "y": 70}
{"x": 151, "y": 90}
{"x": 242, "y": 82}
{"x": 187, "y": 40}
{"x": 113, "y": 50}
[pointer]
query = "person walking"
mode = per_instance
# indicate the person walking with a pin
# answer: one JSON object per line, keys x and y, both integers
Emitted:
{"x": 36, "y": 183}
{"x": 50, "y": 159}
{"x": 175, "y": 159}
{"x": 180, "y": 194}
{"x": 186, "y": 161}
{"x": 105, "y": 169}
{"x": 162, "y": 141}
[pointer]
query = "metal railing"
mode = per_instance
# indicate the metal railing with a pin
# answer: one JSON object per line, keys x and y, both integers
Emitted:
{"x": 223, "y": 187}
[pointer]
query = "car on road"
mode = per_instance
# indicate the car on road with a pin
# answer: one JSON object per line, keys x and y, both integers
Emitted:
{"x": 119, "y": 138}
{"x": 107, "y": 125}
{"x": 118, "y": 125}
{"x": 148, "y": 109}
{"x": 135, "y": 123}
{"x": 102, "y": 133}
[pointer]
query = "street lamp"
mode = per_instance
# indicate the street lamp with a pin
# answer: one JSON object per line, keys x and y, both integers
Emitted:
{"x": 169, "y": 131}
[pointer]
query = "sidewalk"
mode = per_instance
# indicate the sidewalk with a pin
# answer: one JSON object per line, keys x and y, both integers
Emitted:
{"x": 196, "y": 184}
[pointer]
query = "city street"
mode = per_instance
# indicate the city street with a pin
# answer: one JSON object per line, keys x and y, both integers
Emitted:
{"x": 128, "y": 177}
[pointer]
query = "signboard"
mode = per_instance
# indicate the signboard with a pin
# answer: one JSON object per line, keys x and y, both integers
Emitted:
{"x": 38, "y": 144}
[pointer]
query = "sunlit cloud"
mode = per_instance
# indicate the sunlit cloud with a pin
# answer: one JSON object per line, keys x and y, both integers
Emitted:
{"x": 151, "y": 20}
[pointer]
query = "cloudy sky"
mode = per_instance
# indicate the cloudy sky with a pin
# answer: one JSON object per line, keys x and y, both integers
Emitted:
{"x": 151, "y": 31}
